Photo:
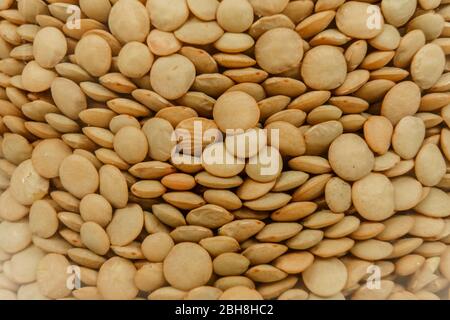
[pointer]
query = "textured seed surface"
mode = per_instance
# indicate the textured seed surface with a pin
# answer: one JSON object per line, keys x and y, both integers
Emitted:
{"x": 224, "y": 149}
{"x": 187, "y": 266}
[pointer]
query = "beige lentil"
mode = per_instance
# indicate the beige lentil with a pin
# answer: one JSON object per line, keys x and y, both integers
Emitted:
{"x": 116, "y": 279}
{"x": 187, "y": 266}
{"x": 357, "y": 92}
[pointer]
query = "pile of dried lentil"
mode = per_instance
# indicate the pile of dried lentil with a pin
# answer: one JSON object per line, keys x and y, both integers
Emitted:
{"x": 357, "y": 207}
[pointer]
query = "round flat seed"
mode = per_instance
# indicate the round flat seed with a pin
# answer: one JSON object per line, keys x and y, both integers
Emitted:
{"x": 203, "y": 61}
{"x": 408, "y": 264}
{"x": 430, "y": 23}
{"x": 294, "y": 294}
{"x": 159, "y": 134}
{"x": 234, "y": 42}
{"x": 94, "y": 238}
{"x": 43, "y": 219}
{"x": 93, "y": 53}
{"x": 78, "y": 176}
{"x": 24, "y": 264}
{"x": 310, "y": 164}
{"x": 247, "y": 144}
{"x": 197, "y": 32}
{"x": 131, "y": 152}
{"x": 209, "y": 216}
{"x": 289, "y": 180}
{"x": 241, "y": 230}
{"x": 350, "y": 157}
{"x": 386, "y": 161}
{"x": 261, "y": 253}
{"x": 151, "y": 170}
{"x": 172, "y": 76}
{"x": 319, "y": 137}
{"x": 219, "y": 162}
{"x": 407, "y": 193}
{"x": 51, "y": 276}
{"x": 230, "y": 264}
{"x": 332, "y": 247}
{"x": 430, "y": 165}
{"x": 372, "y": 250}
{"x": 119, "y": 19}
{"x": 362, "y": 140}
{"x": 427, "y": 65}
{"x": 15, "y": 148}
{"x": 294, "y": 211}
{"x": 162, "y": 43}
{"x": 265, "y": 273}
{"x": 169, "y": 215}
{"x": 426, "y": 226}
{"x": 251, "y": 190}
{"x": 187, "y": 266}
{"x": 35, "y": 78}
{"x": 116, "y": 280}
{"x": 68, "y": 97}
{"x": 184, "y": 200}
{"x": 270, "y": 201}
{"x": 388, "y": 39}
{"x": 27, "y": 185}
{"x": 324, "y": 113}
{"x": 266, "y": 166}
{"x": 408, "y": 137}
{"x": 324, "y": 68}
{"x": 49, "y": 47}
{"x": 135, "y": 60}
{"x": 204, "y": 293}
{"x": 113, "y": 186}
{"x": 219, "y": 244}
{"x": 323, "y": 218}
{"x": 203, "y": 9}
{"x": 193, "y": 134}
{"x": 398, "y": 13}
{"x": 156, "y": 247}
{"x": 325, "y": 277}
{"x": 268, "y": 7}
{"x": 125, "y": 225}
{"x": 167, "y": 293}
{"x": 338, "y": 195}
{"x": 381, "y": 293}
{"x": 175, "y": 115}
{"x": 378, "y": 133}
{"x": 359, "y": 20}
{"x": 229, "y": 104}
{"x": 396, "y": 227}
{"x": 396, "y": 106}
{"x": 435, "y": 204}
{"x": 240, "y": 293}
{"x": 286, "y": 137}
{"x": 179, "y": 181}
{"x": 10, "y": 208}
{"x": 150, "y": 277}
{"x": 168, "y": 15}
{"x": 234, "y": 15}
{"x": 373, "y": 197}
{"x": 14, "y": 236}
{"x": 279, "y": 50}
{"x": 278, "y": 231}
{"x": 409, "y": 45}
{"x": 294, "y": 263}
{"x": 343, "y": 228}
{"x": 48, "y": 155}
